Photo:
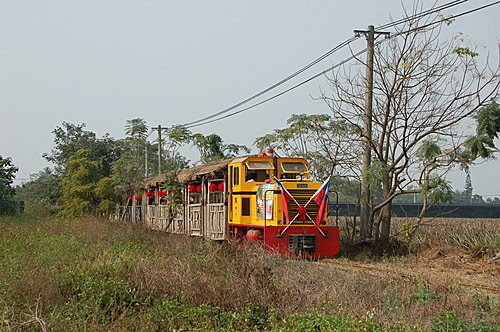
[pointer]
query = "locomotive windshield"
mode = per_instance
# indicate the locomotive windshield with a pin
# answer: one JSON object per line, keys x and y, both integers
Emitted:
{"x": 293, "y": 167}
{"x": 259, "y": 165}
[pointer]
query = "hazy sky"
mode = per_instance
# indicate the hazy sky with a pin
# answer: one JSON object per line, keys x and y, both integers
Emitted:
{"x": 102, "y": 62}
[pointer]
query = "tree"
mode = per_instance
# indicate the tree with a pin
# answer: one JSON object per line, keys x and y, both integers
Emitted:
{"x": 7, "y": 175}
{"x": 212, "y": 148}
{"x": 79, "y": 185}
{"x": 477, "y": 199}
{"x": 425, "y": 91}
{"x": 136, "y": 129}
{"x": 468, "y": 188}
{"x": 108, "y": 196}
{"x": 70, "y": 138}
{"x": 495, "y": 200}
{"x": 129, "y": 169}
{"x": 176, "y": 137}
{"x": 137, "y": 152}
{"x": 95, "y": 170}
{"x": 44, "y": 188}
{"x": 487, "y": 129}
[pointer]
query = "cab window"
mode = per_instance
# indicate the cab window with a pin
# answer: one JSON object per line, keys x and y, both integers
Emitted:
{"x": 236, "y": 176}
{"x": 259, "y": 165}
{"x": 258, "y": 171}
{"x": 290, "y": 167}
{"x": 294, "y": 171}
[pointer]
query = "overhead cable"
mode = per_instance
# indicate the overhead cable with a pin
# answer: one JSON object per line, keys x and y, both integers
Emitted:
{"x": 321, "y": 58}
{"x": 336, "y": 48}
{"x": 199, "y": 123}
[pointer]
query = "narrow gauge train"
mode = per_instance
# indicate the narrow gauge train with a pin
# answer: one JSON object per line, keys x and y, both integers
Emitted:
{"x": 254, "y": 199}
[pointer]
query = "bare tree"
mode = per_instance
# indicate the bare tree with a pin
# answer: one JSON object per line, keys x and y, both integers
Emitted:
{"x": 425, "y": 91}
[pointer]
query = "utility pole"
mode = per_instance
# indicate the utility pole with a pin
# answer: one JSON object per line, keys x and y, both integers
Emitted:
{"x": 146, "y": 170}
{"x": 159, "y": 128}
{"x": 365, "y": 195}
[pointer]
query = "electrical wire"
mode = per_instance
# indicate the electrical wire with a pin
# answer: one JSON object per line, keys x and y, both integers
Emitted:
{"x": 283, "y": 92}
{"x": 321, "y": 58}
{"x": 339, "y": 64}
{"x": 422, "y": 14}
{"x": 453, "y": 16}
{"x": 286, "y": 79}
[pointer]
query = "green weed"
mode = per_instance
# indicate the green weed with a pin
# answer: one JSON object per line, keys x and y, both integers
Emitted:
{"x": 449, "y": 321}
{"x": 423, "y": 294}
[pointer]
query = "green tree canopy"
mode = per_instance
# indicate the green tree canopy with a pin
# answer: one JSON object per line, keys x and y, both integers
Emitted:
{"x": 212, "y": 148}
{"x": 79, "y": 185}
{"x": 7, "y": 175}
{"x": 44, "y": 189}
{"x": 129, "y": 169}
{"x": 487, "y": 129}
{"x": 69, "y": 138}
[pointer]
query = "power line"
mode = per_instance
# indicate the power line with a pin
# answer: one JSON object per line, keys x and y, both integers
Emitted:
{"x": 454, "y": 16}
{"x": 200, "y": 123}
{"x": 321, "y": 58}
{"x": 283, "y": 92}
{"x": 422, "y": 14}
{"x": 330, "y": 52}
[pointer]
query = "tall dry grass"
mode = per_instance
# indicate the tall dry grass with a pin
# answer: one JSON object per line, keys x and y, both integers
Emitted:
{"x": 100, "y": 274}
{"x": 413, "y": 234}
{"x": 468, "y": 234}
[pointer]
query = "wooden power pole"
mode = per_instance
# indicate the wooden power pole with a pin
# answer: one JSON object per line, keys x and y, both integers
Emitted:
{"x": 159, "y": 128}
{"x": 146, "y": 170}
{"x": 365, "y": 196}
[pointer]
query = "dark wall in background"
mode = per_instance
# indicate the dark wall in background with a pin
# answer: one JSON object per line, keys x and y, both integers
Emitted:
{"x": 441, "y": 210}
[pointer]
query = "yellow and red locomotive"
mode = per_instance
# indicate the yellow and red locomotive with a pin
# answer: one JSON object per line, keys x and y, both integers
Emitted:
{"x": 262, "y": 199}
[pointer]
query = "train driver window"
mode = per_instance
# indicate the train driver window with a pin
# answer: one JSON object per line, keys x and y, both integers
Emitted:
{"x": 251, "y": 176}
{"x": 294, "y": 170}
{"x": 258, "y": 171}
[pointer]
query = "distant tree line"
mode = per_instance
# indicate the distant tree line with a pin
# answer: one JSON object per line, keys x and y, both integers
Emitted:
{"x": 91, "y": 173}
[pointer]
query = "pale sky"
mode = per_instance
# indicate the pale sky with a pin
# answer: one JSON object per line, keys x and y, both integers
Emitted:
{"x": 102, "y": 62}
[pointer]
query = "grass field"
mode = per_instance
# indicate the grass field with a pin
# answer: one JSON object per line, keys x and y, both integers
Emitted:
{"x": 58, "y": 274}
